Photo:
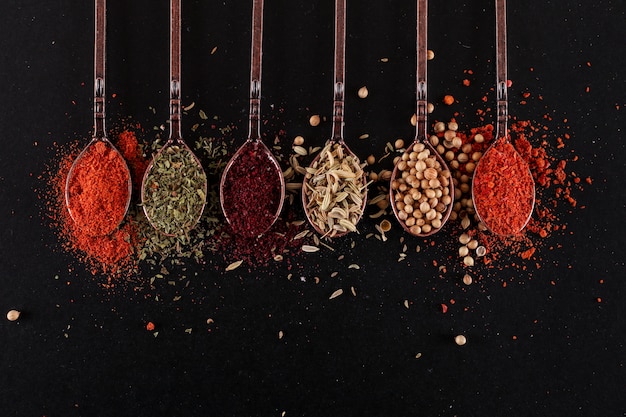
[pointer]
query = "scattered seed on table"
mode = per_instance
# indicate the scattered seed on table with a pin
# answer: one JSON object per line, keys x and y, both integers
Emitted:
{"x": 234, "y": 265}
{"x": 460, "y": 340}
{"x": 336, "y": 294}
{"x": 314, "y": 120}
{"x": 467, "y": 279}
{"x": 363, "y": 92}
{"x": 298, "y": 141}
{"x": 13, "y": 315}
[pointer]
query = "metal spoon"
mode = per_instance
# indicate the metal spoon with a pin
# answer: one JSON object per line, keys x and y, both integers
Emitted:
{"x": 421, "y": 136}
{"x": 175, "y": 144}
{"x": 245, "y": 215}
{"x": 337, "y": 230}
{"x": 111, "y": 220}
{"x": 502, "y": 139}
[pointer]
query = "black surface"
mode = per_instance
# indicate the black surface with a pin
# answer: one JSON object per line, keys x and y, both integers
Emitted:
{"x": 80, "y": 351}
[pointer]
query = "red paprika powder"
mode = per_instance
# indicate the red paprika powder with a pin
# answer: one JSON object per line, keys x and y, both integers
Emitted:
{"x": 503, "y": 189}
{"x": 98, "y": 189}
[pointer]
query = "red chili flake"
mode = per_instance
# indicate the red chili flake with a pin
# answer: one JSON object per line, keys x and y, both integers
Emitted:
{"x": 599, "y": 299}
{"x": 503, "y": 177}
{"x": 444, "y": 308}
{"x": 150, "y": 326}
{"x": 466, "y": 82}
{"x": 448, "y": 99}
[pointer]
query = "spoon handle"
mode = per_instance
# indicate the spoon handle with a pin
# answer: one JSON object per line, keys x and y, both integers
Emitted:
{"x": 99, "y": 64}
{"x": 256, "y": 53}
{"x": 501, "y": 69}
{"x": 175, "y": 110}
{"x": 420, "y": 69}
{"x": 340, "y": 67}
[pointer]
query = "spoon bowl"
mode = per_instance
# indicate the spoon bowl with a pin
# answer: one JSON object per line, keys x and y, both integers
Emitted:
{"x": 334, "y": 190}
{"x": 99, "y": 159}
{"x": 251, "y": 210}
{"x": 503, "y": 189}
{"x": 174, "y": 186}
{"x": 421, "y": 190}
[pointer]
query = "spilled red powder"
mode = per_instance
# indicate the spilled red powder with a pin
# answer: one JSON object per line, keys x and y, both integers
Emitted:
{"x": 112, "y": 254}
{"x": 277, "y": 243}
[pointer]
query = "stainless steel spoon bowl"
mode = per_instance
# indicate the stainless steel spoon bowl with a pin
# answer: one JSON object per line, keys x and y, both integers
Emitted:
{"x": 265, "y": 212}
{"x": 111, "y": 220}
{"x": 502, "y": 138}
{"x": 421, "y": 136}
{"x": 337, "y": 142}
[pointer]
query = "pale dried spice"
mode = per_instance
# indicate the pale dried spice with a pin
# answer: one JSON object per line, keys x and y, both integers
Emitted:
{"x": 364, "y": 136}
{"x": 309, "y": 248}
{"x": 406, "y": 303}
{"x": 336, "y": 294}
{"x": 353, "y": 291}
{"x": 314, "y": 120}
{"x": 335, "y": 191}
{"x": 460, "y": 340}
{"x": 280, "y": 334}
{"x": 481, "y": 251}
{"x": 301, "y": 235}
{"x": 300, "y": 150}
{"x": 13, "y": 315}
{"x": 234, "y": 265}
{"x": 354, "y": 266}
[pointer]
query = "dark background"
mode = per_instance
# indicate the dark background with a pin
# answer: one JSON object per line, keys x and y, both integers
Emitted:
{"x": 80, "y": 351}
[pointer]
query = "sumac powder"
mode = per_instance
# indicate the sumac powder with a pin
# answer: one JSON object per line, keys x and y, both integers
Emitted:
{"x": 251, "y": 191}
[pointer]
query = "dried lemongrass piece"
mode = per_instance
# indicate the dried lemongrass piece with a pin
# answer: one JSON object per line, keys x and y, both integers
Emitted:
{"x": 335, "y": 191}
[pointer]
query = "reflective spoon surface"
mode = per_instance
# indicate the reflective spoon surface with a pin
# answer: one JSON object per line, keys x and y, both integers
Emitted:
{"x": 421, "y": 136}
{"x": 251, "y": 212}
{"x": 337, "y": 141}
{"x": 503, "y": 146}
{"x": 102, "y": 146}
{"x": 175, "y": 144}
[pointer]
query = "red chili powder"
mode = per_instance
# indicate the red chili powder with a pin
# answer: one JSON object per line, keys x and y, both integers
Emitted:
{"x": 503, "y": 189}
{"x": 251, "y": 191}
{"x": 98, "y": 189}
{"x": 129, "y": 147}
{"x": 112, "y": 254}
